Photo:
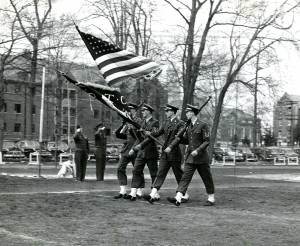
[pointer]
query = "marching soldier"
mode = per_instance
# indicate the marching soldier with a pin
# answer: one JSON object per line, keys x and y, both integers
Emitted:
{"x": 148, "y": 155}
{"x": 197, "y": 139}
{"x": 81, "y": 153}
{"x": 170, "y": 157}
{"x": 128, "y": 132}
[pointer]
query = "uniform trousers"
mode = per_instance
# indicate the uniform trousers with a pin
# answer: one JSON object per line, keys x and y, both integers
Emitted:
{"x": 138, "y": 179}
{"x": 81, "y": 156}
{"x": 121, "y": 171}
{"x": 163, "y": 169}
{"x": 100, "y": 155}
{"x": 204, "y": 172}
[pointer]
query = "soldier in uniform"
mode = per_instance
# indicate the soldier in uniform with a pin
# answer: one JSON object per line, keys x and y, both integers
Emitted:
{"x": 100, "y": 151}
{"x": 81, "y": 153}
{"x": 170, "y": 158}
{"x": 148, "y": 155}
{"x": 197, "y": 138}
{"x": 129, "y": 133}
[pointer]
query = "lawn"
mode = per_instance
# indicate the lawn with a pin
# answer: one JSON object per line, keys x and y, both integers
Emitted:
{"x": 249, "y": 210}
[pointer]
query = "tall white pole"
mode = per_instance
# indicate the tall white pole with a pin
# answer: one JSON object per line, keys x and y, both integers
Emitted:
{"x": 69, "y": 114}
{"x": 41, "y": 118}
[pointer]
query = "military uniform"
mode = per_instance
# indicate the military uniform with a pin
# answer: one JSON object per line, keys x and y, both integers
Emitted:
{"x": 197, "y": 138}
{"x": 100, "y": 153}
{"x": 130, "y": 135}
{"x": 172, "y": 159}
{"x": 147, "y": 155}
{"x": 81, "y": 154}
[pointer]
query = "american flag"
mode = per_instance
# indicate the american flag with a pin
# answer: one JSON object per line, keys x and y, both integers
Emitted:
{"x": 117, "y": 65}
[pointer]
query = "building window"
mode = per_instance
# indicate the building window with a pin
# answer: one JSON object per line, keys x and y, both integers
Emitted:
{"x": 17, "y": 88}
{"x": 65, "y": 130}
{"x": 107, "y": 115}
{"x": 4, "y": 127}
{"x": 18, "y": 108}
{"x": 65, "y": 93}
{"x": 33, "y": 109}
{"x": 5, "y": 108}
{"x": 72, "y": 112}
{"x": 65, "y": 110}
{"x": 5, "y": 87}
{"x": 96, "y": 114}
{"x": 17, "y": 127}
{"x": 33, "y": 129}
{"x": 72, "y": 94}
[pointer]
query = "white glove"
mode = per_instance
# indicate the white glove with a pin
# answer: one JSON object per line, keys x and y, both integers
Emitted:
{"x": 194, "y": 153}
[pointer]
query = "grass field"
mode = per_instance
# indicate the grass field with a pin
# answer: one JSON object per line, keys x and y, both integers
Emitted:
{"x": 255, "y": 205}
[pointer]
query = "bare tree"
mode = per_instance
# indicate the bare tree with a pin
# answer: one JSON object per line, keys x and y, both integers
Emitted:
{"x": 130, "y": 27}
{"x": 254, "y": 30}
{"x": 32, "y": 23}
{"x": 9, "y": 38}
{"x": 192, "y": 53}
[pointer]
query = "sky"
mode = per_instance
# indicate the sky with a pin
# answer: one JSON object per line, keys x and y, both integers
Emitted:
{"x": 289, "y": 68}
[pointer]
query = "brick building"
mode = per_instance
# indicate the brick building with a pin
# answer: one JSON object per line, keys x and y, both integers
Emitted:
{"x": 236, "y": 122}
{"x": 78, "y": 107}
{"x": 285, "y": 118}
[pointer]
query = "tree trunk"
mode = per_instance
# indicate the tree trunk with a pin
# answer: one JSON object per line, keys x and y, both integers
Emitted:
{"x": 217, "y": 117}
{"x": 255, "y": 103}
{"x": 1, "y": 108}
{"x": 58, "y": 128}
{"x": 31, "y": 92}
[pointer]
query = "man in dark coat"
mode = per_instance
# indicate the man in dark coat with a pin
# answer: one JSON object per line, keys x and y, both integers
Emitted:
{"x": 100, "y": 151}
{"x": 197, "y": 138}
{"x": 170, "y": 158}
{"x": 81, "y": 153}
{"x": 148, "y": 155}
{"x": 129, "y": 133}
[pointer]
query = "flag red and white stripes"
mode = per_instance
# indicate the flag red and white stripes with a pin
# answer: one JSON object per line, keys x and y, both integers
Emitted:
{"x": 117, "y": 65}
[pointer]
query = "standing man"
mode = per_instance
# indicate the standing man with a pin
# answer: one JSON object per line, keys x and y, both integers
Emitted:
{"x": 197, "y": 139}
{"x": 148, "y": 155}
{"x": 170, "y": 157}
{"x": 81, "y": 153}
{"x": 129, "y": 133}
{"x": 100, "y": 151}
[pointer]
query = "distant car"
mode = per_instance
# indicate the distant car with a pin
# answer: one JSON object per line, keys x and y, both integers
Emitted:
{"x": 32, "y": 146}
{"x": 57, "y": 147}
{"x": 288, "y": 152}
{"x": 112, "y": 152}
{"x": 233, "y": 154}
{"x": 8, "y": 146}
{"x": 266, "y": 153}
{"x": 297, "y": 150}
{"x": 13, "y": 154}
{"x": 219, "y": 154}
{"x": 248, "y": 155}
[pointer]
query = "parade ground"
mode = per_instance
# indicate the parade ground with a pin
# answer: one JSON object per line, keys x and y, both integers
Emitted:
{"x": 256, "y": 204}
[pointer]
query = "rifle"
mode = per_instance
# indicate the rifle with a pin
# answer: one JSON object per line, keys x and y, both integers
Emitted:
{"x": 188, "y": 122}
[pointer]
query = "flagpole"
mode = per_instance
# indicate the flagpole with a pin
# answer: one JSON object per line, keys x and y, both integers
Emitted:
{"x": 41, "y": 120}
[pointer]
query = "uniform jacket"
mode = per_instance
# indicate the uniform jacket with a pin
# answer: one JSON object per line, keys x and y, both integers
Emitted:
{"x": 150, "y": 151}
{"x": 129, "y": 134}
{"x": 197, "y": 138}
{"x": 100, "y": 140}
{"x": 81, "y": 141}
{"x": 169, "y": 129}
